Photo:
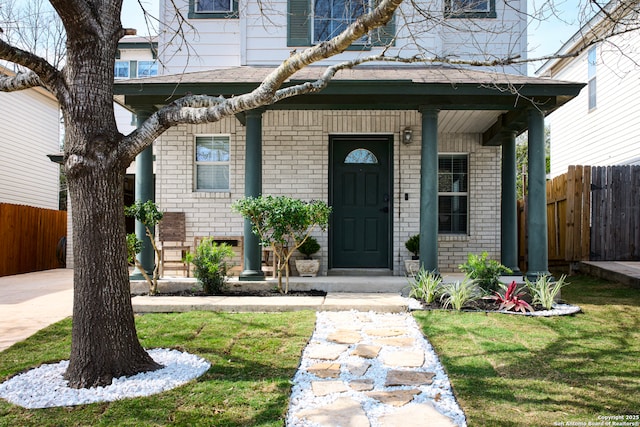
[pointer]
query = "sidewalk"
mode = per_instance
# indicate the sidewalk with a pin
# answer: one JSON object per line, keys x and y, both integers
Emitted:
{"x": 32, "y": 301}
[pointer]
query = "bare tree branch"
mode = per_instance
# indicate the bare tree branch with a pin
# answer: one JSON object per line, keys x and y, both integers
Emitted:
{"x": 48, "y": 75}
{"x": 20, "y": 81}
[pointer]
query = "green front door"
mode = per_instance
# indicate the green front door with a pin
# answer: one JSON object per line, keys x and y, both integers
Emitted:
{"x": 360, "y": 194}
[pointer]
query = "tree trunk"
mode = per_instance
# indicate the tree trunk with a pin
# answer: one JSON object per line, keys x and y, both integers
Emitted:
{"x": 104, "y": 341}
{"x": 101, "y": 286}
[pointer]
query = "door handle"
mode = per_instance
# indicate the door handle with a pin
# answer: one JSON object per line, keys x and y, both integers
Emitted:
{"x": 385, "y": 209}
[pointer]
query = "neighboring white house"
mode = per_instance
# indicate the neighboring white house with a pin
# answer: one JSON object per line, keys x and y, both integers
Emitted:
{"x": 395, "y": 150}
{"x": 29, "y": 131}
{"x": 599, "y": 126}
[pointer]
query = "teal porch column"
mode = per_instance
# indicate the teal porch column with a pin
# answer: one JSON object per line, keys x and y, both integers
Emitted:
{"x": 509, "y": 205}
{"x": 252, "y": 188}
{"x": 537, "y": 198}
{"x": 144, "y": 190}
{"x": 429, "y": 191}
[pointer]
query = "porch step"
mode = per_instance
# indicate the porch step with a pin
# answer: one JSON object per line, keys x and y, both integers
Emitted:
{"x": 360, "y": 272}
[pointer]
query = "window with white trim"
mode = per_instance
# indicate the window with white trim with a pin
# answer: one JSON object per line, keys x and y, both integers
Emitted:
{"x": 212, "y": 160}
{"x": 470, "y": 8}
{"x": 453, "y": 193}
{"x": 147, "y": 68}
{"x": 331, "y": 17}
{"x": 591, "y": 60}
{"x": 122, "y": 70}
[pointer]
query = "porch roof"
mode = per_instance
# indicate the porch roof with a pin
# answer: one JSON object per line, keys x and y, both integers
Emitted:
{"x": 474, "y": 101}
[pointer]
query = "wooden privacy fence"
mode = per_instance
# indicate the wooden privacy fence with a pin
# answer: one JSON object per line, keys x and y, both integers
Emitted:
{"x": 29, "y": 238}
{"x": 615, "y": 219}
{"x": 568, "y": 212}
{"x": 593, "y": 213}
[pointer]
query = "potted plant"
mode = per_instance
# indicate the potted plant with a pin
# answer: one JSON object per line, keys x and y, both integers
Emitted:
{"x": 413, "y": 245}
{"x": 308, "y": 267}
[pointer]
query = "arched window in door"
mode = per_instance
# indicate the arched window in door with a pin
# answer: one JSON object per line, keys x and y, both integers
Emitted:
{"x": 361, "y": 156}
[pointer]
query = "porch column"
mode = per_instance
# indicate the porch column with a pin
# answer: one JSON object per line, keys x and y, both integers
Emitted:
{"x": 429, "y": 191}
{"x": 537, "y": 198}
{"x": 252, "y": 188}
{"x": 144, "y": 190}
{"x": 509, "y": 205}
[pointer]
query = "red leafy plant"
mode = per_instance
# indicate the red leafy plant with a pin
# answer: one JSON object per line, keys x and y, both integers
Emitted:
{"x": 511, "y": 299}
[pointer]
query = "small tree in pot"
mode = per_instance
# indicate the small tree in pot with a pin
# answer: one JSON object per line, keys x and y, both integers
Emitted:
{"x": 308, "y": 267}
{"x": 284, "y": 224}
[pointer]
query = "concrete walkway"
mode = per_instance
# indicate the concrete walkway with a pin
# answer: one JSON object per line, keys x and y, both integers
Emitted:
{"x": 32, "y": 301}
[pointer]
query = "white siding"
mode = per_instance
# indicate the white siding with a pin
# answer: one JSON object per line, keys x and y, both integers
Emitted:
{"x": 29, "y": 130}
{"x": 610, "y": 133}
{"x": 259, "y": 37}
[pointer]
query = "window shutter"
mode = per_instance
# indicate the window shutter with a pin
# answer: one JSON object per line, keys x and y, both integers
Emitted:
{"x": 386, "y": 33}
{"x": 299, "y": 25}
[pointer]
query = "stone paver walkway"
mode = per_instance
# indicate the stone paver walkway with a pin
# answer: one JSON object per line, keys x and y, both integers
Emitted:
{"x": 371, "y": 369}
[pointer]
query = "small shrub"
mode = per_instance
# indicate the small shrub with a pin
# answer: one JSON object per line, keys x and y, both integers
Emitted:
{"x": 425, "y": 286}
{"x": 544, "y": 290}
{"x": 210, "y": 262}
{"x": 458, "y": 294}
{"x": 309, "y": 247}
{"x": 413, "y": 245}
{"x": 485, "y": 272}
{"x": 510, "y": 299}
{"x": 134, "y": 246}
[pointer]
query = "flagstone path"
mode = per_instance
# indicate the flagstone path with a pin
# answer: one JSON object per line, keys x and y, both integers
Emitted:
{"x": 371, "y": 370}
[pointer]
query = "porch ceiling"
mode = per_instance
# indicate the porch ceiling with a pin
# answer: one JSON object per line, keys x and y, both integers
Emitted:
{"x": 469, "y": 100}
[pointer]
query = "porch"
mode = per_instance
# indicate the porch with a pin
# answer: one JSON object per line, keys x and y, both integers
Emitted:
{"x": 447, "y": 110}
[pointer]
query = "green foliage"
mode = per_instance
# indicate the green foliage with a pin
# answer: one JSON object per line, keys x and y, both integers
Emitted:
{"x": 147, "y": 213}
{"x": 210, "y": 262}
{"x": 413, "y": 245}
{"x": 283, "y": 223}
{"x": 458, "y": 294}
{"x": 309, "y": 247}
{"x": 544, "y": 290}
{"x": 425, "y": 286}
{"x": 484, "y": 271}
{"x": 134, "y": 246}
{"x": 510, "y": 299}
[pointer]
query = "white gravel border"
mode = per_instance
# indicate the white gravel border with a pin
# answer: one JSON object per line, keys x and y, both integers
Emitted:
{"x": 44, "y": 386}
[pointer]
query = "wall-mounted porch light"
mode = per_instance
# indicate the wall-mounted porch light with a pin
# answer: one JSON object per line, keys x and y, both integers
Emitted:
{"x": 407, "y": 135}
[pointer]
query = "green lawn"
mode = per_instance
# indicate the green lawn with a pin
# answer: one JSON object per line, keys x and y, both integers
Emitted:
{"x": 516, "y": 371}
{"x": 253, "y": 357}
{"x": 505, "y": 370}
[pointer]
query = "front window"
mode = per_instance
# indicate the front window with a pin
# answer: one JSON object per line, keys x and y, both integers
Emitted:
{"x": 212, "y": 163}
{"x": 122, "y": 70}
{"x": 453, "y": 176}
{"x": 470, "y": 8}
{"x": 331, "y": 17}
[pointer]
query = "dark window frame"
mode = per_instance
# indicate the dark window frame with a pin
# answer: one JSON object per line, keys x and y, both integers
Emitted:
{"x": 451, "y": 12}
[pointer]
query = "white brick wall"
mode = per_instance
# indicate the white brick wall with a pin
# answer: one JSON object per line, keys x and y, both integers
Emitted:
{"x": 295, "y": 163}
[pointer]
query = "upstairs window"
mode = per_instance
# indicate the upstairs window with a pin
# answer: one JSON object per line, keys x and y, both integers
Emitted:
{"x": 147, "y": 68}
{"x": 199, "y": 9}
{"x": 212, "y": 163}
{"x": 122, "y": 70}
{"x": 331, "y": 17}
{"x": 133, "y": 69}
{"x": 591, "y": 60}
{"x": 453, "y": 196}
{"x": 470, "y": 8}
{"x": 315, "y": 21}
